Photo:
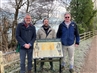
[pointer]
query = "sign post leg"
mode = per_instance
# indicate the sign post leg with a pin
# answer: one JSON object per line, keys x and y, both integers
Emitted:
{"x": 35, "y": 65}
{"x": 60, "y": 65}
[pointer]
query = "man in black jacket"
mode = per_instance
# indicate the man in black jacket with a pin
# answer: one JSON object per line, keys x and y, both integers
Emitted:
{"x": 26, "y": 35}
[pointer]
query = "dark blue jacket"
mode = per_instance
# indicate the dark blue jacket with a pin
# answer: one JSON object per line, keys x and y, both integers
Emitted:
{"x": 25, "y": 35}
{"x": 68, "y": 35}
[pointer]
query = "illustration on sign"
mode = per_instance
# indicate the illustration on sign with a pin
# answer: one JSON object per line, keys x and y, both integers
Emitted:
{"x": 47, "y": 48}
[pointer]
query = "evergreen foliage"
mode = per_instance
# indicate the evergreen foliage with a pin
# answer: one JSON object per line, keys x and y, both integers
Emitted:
{"x": 83, "y": 13}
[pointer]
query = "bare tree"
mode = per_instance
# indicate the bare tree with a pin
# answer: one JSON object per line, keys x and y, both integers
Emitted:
{"x": 37, "y": 8}
{"x": 17, "y": 4}
{"x": 4, "y": 27}
{"x": 40, "y": 9}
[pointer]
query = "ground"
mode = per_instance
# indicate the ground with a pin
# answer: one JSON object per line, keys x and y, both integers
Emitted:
{"x": 90, "y": 65}
{"x": 84, "y": 54}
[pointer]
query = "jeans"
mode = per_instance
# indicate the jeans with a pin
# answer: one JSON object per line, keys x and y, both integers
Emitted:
{"x": 23, "y": 53}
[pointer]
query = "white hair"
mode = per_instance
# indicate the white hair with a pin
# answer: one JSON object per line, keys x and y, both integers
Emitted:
{"x": 67, "y": 13}
{"x": 27, "y": 14}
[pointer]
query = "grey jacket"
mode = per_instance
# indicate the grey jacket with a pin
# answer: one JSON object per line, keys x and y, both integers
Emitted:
{"x": 42, "y": 35}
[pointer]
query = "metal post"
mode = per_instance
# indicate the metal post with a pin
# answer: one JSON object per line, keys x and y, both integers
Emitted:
{"x": 35, "y": 65}
{"x": 60, "y": 65}
{"x": 1, "y": 63}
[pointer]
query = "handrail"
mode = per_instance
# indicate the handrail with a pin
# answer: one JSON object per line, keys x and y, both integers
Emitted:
{"x": 7, "y": 53}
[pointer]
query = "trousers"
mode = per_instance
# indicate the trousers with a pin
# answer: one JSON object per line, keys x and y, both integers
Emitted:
{"x": 51, "y": 63}
{"x": 23, "y": 54}
{"x": 70, "y": 51}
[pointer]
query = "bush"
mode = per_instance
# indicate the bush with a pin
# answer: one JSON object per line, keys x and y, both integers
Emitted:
{"x": 81, "y": 29}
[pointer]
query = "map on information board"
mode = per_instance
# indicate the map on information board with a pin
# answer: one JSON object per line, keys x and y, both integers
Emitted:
{"x": 47, "y": 48}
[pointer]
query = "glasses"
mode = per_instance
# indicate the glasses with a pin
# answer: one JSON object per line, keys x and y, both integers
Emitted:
{"x": 28, "y": 18}
{"x": 67, "y": 17}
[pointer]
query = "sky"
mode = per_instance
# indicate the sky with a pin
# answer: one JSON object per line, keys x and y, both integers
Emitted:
{"x": 2, "y": 2}
{"x": 59, "y": 9}
{"x": 5, "y": 1}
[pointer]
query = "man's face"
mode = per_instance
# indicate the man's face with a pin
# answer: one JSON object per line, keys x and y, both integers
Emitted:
{"x": 46, "y": 22}
{"x": 27, "y": 19}
{"x": 67, "y": 18}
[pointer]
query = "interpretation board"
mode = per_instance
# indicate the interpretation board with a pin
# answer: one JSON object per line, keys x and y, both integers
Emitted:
{"x": 47, "y": 48}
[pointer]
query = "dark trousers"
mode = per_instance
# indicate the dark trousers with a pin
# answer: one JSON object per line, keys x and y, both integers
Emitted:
{"x": 51, "y": 63}
{"x": 23, "y": 53}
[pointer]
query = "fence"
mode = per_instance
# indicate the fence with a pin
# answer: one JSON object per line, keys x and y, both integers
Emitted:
{"x": 87, "y": 35}
{"x": 9, "y": 62}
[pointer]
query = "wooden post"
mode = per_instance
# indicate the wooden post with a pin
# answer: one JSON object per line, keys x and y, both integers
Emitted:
{"x": 1, "y": 63}
{"x": 84, "y": 35}
{"x": 93, "y": 33}
{"x": 89, "y": 34}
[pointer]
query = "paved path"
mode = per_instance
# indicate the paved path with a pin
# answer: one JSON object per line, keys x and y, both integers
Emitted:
{"x": 91, "y": 60}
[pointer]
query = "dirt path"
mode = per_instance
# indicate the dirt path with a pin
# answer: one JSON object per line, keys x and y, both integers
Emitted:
{"x": 91, "y": 60}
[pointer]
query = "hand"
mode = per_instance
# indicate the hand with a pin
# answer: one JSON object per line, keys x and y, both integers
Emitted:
{"x": 27, "y": 46}
{"x": 76, "y": 45}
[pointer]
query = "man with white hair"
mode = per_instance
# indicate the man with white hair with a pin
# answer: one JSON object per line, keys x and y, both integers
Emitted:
{"x": 68, "y": 32}
{"x": 26, "y": 35}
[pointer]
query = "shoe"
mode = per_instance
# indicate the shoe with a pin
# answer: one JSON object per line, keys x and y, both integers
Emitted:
{"x": 62, "y": 67}
{"x": 71, "y": 70}
{"x": 51, "y": 68}
{"x": 29, "y": 71}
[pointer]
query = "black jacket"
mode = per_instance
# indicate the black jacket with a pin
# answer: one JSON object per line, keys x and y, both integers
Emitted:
{"x": 25, "y": 35}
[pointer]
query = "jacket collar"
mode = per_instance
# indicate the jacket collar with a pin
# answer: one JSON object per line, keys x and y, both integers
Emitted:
{"x": 23, "y": 23}
{"x": 44, "y": 30}
{"x": 63, "y": 23}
